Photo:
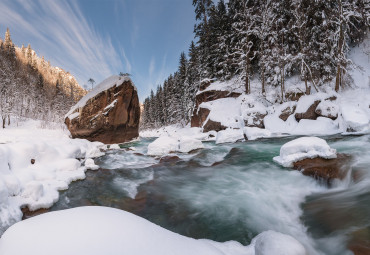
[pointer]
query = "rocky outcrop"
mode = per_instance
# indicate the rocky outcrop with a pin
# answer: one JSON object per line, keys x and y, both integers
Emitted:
{"x": 110, "y": 113}
{"x": 325, "y": 169}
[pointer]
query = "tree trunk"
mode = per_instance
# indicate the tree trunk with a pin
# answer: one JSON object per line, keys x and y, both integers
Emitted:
{"x": 338, "y": 79}
{"x": 263, "y": 81}
{"x": 4, "y": 118}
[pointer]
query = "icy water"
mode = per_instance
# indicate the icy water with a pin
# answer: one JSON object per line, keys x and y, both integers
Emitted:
{"x": 233, "y": 192}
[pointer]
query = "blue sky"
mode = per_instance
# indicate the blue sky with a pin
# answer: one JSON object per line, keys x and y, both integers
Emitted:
{"x": 98, "y": 38}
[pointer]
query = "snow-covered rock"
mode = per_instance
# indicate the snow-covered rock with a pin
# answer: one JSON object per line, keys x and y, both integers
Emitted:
{"x": 101, "y": 230}
{"x": 253, "y": 133}
{"x": 109, "y": 113}
{"x": 229, "y": 136}
{"x": 165, "y": 145}
{"x": 304, "y": 147}
{"x": 328, "y": 109}
{"x": 252, "y": 111}
{"x": 188, "y": 144}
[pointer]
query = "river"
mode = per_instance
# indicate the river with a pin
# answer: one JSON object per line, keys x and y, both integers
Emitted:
{"x": 233, "y": 192}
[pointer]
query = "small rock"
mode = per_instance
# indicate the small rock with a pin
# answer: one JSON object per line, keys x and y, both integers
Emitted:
{"x": 33, "y": 161}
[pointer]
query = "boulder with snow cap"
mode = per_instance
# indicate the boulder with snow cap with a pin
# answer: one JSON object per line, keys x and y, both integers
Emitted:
{"x": 110, "y": 113}
{"x": 327, "y": 109}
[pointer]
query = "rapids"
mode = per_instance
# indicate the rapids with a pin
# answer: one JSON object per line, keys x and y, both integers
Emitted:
{"x": 233, "y": 192}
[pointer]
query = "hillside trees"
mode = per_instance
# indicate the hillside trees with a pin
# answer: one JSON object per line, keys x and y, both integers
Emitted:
{"x": 31, "y": 88}
{"x": 264, "y": 40}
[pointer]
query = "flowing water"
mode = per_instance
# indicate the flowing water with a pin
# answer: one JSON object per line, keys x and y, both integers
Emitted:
{"x": 233, "y": 192}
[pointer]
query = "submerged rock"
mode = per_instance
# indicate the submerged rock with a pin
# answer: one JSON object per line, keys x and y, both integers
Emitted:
{"x": 110, "y": 113}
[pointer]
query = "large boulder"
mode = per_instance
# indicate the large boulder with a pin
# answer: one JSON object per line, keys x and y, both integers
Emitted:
{"x": 110, "y": 113}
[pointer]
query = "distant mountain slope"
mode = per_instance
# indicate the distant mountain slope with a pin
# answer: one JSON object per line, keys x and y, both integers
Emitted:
{"x": 31, "y": 88}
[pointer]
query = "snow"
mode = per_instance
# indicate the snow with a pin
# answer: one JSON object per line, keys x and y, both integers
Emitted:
{"x": 101, "y": 230}
{"x": 307, "y": 100}
{"x": 188, "y": 144}
{"x": 320, "y": 126}
{"x": 302, "y": 148}
{"x": 108, "y": 83}
{"x": 355, "y": 118}
{"x": 90, "y": 164}
{"x": 114, "y": 147}
{"x": 253, "y": 133}
{"x": 233, "y": 85}
{"x": 165, "y": 145}
{"x": 55, "y": 166}
{"x": 229, "y": 136}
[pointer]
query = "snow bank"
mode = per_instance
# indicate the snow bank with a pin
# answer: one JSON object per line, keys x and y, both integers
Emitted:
{"x": 166, "y": 144}
{"x": 229, "y": 136}
{"x": 34, "y": 165}
{"x": 355, "y": 118}
{"x": 74, "y": 231}
{"x": 227, "y": 111}
{"x": 112, "y": 81}
{"x": 304, "y": 147}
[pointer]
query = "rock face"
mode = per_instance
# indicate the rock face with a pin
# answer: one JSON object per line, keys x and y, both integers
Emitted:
{"x": 325, "y": 169}
{"x": 110, "y": 113}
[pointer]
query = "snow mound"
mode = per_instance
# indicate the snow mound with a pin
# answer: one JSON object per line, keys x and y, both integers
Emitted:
{"x": 320, "y": 126}
{"x": 224, "y": 110}
{"x": 90, "y": 164}
{"x": 229, "y": 136}
{"x": 74, "y": 231}
{"x": 271, "y": 242}
{"x": 165, "y": 145}
{"x": 302, "y": 148}
{"x": 108, "y": 83}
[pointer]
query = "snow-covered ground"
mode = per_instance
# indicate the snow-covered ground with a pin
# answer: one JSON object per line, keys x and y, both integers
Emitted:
{"x": 102, "y": 230}
{"x": 35, "y": 163}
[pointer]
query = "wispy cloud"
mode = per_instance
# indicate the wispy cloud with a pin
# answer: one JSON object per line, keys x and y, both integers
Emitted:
{"x": 151, "y": 67}
{"x": 63, "y": 35}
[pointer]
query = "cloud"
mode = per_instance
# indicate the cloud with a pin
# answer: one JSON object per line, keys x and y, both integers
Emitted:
{"x": 151, "y": 67}
{"x": 59, "y": 30}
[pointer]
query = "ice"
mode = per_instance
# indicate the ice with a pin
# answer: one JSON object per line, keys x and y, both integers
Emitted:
{"x": 229, "y": 136}
{"x": 101, "y": 230}
{"x": 114, "y": 147}
{"x": 302, "y": 148}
